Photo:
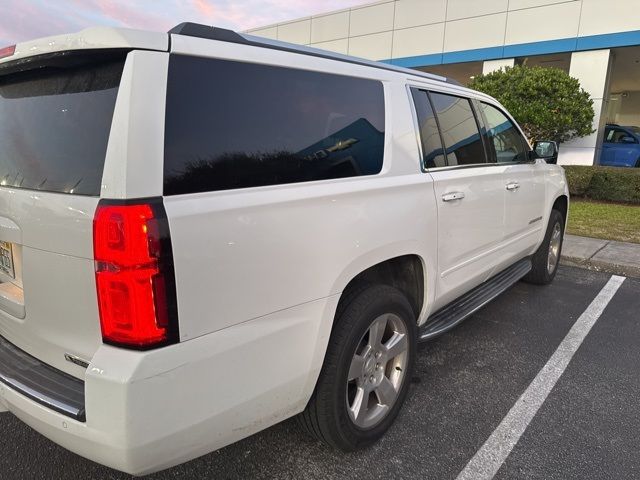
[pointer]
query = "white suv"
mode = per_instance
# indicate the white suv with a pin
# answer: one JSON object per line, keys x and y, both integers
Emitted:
{"x": 203, "y": 233}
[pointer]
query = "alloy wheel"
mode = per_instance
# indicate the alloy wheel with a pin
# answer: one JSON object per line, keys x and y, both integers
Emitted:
{"x": 377, "y": 371}
{"x": 554, "y": 247}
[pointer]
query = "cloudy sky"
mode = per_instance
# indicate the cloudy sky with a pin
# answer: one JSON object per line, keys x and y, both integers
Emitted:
{"x": 28, "y": 19}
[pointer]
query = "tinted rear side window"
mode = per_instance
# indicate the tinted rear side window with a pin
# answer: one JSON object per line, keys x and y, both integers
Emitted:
{"x": 54, "y": 127}
{"x": 459, "y": 129}
{"x": 236, "y": 125}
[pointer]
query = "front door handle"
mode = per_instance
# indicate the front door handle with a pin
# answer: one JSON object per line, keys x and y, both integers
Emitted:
{"x": 513, "y": 186}
{"x": 449, "y": 197}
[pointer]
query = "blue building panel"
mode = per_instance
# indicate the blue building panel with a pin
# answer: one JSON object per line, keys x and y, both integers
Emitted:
{"x": 562, "y": 45}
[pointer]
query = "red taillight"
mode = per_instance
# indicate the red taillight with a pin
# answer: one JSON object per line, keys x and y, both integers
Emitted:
{"x": 134, "y": 274}
{"x": 7, "y": 51}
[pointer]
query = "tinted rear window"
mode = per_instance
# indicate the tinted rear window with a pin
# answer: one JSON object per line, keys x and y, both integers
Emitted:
{"x": 54, "y": 127}
{"x": 429, "y": 134}
{"x": 237, "y": 125}
{"x": 459, "y": 129}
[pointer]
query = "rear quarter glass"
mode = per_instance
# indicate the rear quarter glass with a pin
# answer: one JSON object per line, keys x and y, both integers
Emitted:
{"x": 55, "y": 122}
{"x": 233, "y": 124}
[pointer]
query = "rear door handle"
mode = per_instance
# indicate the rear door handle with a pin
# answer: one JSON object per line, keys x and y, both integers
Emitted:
{"x": 449, "y": 197}
{"x": 513, "y": 186}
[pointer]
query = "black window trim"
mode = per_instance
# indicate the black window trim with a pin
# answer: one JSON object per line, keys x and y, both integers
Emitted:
{"x": 530, "y": 159}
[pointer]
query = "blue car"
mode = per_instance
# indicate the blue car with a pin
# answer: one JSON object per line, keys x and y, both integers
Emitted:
{"x": 621, "y": 146}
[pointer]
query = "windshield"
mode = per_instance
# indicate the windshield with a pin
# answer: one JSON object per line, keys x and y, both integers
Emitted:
{"x": 54, "y": 127}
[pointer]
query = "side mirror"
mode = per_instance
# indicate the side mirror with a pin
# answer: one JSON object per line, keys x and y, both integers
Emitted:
{"x": 546, "y": 150}
{"x": 627, "y": 139}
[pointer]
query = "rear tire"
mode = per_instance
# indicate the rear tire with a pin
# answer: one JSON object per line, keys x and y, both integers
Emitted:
{"x": 547, "y": 258}
{"x": 367, "y": 369}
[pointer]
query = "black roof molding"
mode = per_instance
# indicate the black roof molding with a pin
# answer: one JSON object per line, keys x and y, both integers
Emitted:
{"x": 223, "y": 35}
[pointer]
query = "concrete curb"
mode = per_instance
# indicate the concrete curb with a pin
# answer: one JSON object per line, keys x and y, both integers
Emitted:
{"x": 607, "y": 267}
{"x": 618, "y": 258}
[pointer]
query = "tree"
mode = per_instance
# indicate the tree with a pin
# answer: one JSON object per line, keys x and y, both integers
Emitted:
{"x": 546, "y": 102}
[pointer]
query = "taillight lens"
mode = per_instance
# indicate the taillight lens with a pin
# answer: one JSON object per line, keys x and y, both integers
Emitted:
{"x": 7, "y": 51}
{"x": 134, "y": 274}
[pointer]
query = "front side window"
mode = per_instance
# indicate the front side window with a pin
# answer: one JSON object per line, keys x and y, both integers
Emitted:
{"x": 236, "y": 125}
{"x": 615, "y": 135}
{"x": 433, "y": 155}
{"x": 459, "y": 129}
{"x": 507, "y": 140}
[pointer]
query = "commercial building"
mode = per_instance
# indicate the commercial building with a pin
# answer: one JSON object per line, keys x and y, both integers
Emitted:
{"x": 596, "y": 41}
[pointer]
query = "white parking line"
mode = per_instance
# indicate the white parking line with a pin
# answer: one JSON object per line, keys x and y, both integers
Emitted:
{"x": 488, "y": 460}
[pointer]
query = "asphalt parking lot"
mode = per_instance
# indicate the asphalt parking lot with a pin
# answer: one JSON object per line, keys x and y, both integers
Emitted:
{"x": 466, "y": 382}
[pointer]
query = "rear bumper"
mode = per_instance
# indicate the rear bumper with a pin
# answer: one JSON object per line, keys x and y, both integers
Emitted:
{"x": 146, "y": 411}
{"x": 40, "y": 382}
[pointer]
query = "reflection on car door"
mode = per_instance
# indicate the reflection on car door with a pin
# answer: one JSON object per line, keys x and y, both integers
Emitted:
{"x": 469, "y": 192}
{"x": 523, "y": 184}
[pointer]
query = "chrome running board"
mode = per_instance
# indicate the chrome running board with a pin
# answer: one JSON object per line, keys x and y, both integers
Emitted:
{"x": 455, "y": 312}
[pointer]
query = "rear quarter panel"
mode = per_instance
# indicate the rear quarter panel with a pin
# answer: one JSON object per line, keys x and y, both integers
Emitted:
{"x": 242, "y": 255}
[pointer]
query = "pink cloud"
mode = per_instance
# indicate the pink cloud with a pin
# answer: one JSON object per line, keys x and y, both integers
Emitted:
{"x": 204, "y": 7}
{"x": 128, "y": 15}
{"x": 27, "y": 19}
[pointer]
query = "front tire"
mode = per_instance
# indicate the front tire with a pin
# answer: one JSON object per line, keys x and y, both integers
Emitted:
{"x": 547, "y": 258}
{"x": 367, "y": 370}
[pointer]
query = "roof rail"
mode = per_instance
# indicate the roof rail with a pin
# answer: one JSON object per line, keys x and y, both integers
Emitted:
{"x": 223, "y": 35}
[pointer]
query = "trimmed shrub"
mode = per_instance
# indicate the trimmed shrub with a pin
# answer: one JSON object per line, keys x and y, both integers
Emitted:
{"x": 610, "y": 184}
{"x": 546, "y": 102}
{"x": 579, "y": 177}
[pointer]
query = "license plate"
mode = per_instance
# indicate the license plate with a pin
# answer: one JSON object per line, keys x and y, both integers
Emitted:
{"x": 6, "y": 259}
